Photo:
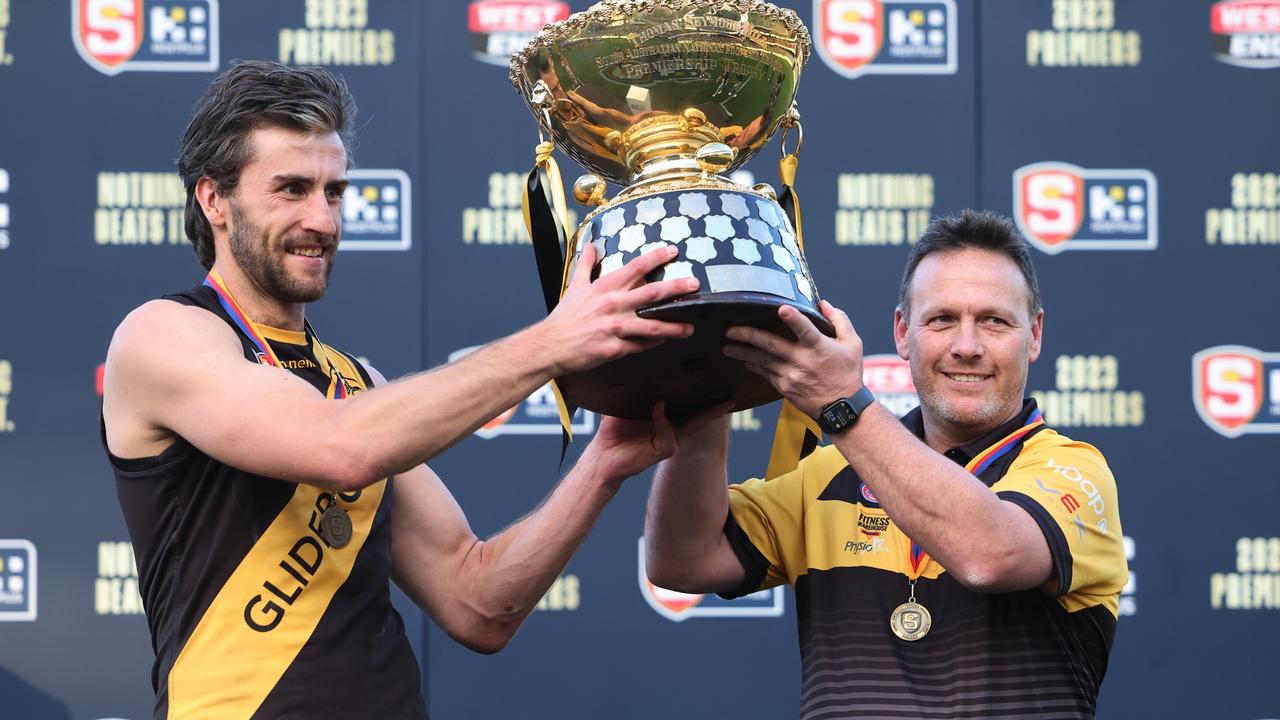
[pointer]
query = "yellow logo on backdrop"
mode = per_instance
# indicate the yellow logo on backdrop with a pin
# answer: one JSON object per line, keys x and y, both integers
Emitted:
{"x": 337, "y": 33}
{"x": 501, "y": 222}
{"x": 6, "y": 57}
{"x": 1255, "y": 585}
{"x": 1084, "y": 34}
{"x": 115, "y": 592}
{"x": 882, "y": 209}
{"x": 1254, "y": 215}
{"x": 6, "y": 387}
{"x": 1086, "y": 394}
{"x": 139, "y": 208}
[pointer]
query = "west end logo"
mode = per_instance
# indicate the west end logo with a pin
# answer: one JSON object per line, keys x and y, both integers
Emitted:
{"x": 500, "y": 28}
{"x": 1246, "y": 33}
{"x": 1061, "y": 207}
{"x": 170, "y": 36}
{"x": 900, "y": 37}
{"x": 1237, "y": 389}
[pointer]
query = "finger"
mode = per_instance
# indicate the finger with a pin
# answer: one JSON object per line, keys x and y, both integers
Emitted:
{"x": 639, "y": 328}
{"x": 839, "y": 319}
{"x": 664, "y": 433}
{"x": 633, "y": 272}
{"x": 704, "y": 418}
{"x": 768, "y": 364}
{"x": 762, "y": 339}
{"x": 582, "y": 271}
{"x": 799, "y": 324}
{"x": 655, "y": 292}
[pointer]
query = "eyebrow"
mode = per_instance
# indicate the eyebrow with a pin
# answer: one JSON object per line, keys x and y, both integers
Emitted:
{"x": 285, "y": 179}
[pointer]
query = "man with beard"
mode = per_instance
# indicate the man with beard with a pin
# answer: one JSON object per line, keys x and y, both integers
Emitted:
{"x": 965, "y": 561}
{"x": 260, "y": 510}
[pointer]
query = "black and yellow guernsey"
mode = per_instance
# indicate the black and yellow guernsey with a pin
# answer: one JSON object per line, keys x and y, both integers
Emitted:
{"x": 252, "y": 614}
{"x": 1040, "y": 653}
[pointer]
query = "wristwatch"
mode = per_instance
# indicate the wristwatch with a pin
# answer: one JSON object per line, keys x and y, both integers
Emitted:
{"x": 843, "y": 413}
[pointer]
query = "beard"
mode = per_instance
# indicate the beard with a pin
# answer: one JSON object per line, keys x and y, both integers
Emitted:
{"x": 250, "y": 248}
{"x": 996, "y": 408}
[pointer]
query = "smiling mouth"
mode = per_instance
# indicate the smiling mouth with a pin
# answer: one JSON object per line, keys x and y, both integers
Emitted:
{"x": 307, "y": 252}
{"x": 965, "y": 377}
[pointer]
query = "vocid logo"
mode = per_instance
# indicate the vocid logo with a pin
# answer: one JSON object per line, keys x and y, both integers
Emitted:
{"x": 899, "y": 37}
{"x": 169, "y": 36}
{"x": 4, "y": 209}
{"x": 500, "y": 28}
{"x": 377, "y": 211}
{"x": 1064, "y": 207}
{"x": 678, "y": 606}
{"x": 537, "y": 415}
{"x": 1237, "y": 389}
{"x": 17, "y": 580}
{"x": 888, "y": 377}
{"x": 1247, "y": 32}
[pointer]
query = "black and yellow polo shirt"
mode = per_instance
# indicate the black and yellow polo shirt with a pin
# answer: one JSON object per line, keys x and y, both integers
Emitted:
{"x": 1039, "y": 653}
{"x": 252, "y": 613}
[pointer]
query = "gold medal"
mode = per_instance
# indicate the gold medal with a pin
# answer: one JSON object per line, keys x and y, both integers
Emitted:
{"x": 335, "y": 526}
{"x": 910, "y": 621}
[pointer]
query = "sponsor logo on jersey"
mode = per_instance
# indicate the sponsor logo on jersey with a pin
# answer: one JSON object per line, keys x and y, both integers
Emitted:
{"x": 906, "y": 37}
{"x": 170, "y": 36}
{"x": 872, "y": 525}
{"x": 4, "y": 209}
{"x": 536, "y": 415}
{"x": 678, "y": 606}
{"x": 1247, "y": 32}
{"x": 17, "y": 580}
{"x": 875, "y": 545}
{"x": 1070, "y": 502}
{"x": 888, "y": 377}
{"x": 377, "y": 210}
{"x": 1237, "y": 389}
{"x": 1064, "y": 207}
{"x": 867, "y": 495}
{"x": 500, "y": 28}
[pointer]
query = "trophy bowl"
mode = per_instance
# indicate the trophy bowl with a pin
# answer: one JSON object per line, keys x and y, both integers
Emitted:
{"x": 665, "y": 98}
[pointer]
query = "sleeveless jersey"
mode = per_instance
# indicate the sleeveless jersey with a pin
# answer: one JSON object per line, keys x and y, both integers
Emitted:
{"x": 251, "y": 612}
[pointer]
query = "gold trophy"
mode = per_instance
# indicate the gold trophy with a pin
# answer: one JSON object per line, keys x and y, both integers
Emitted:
{"x": 665, "y": 98}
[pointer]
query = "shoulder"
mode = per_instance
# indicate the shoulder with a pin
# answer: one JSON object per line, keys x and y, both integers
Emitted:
{"x": 163, "y": 329}
{"x": 1056, "y": 453}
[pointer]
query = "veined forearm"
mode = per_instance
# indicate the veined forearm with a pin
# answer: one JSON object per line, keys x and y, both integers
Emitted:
{"x": 688, "y": 504}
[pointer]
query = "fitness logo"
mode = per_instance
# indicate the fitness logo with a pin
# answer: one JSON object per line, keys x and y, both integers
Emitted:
{"x": 678, "y": 606}
{"x": 500, "y": 28}
{"x": 537, "y": 415}
{"x": 17, "y": 580}
{"x": 173, "y": 36}
{"x": 899, "y": 37}
{"x": 376, "y": 211}
{"x": 1247, "y": 32}
{"x": 888, "y": 377}
{"x": 1063, "y": 207}
{"x": 873, "y": 525}
{"x": 1237, "y": 389}
{"x": 4, "y": 209}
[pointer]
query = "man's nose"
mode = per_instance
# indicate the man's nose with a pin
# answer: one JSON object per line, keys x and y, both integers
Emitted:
{"x": 322, "y": 217}
{"x": 966, "y": 343}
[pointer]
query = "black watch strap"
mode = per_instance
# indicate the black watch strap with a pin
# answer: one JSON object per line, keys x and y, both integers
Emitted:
{"x": 843, "y": 413}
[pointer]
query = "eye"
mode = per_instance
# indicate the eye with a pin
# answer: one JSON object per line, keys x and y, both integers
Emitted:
{"x": 993, "y": 320}
{"x": 294, "y": 189}
{"x": 941, "y": 319}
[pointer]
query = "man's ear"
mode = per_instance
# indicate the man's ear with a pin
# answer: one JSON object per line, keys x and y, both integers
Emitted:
{"x": 211, "y": 202}
{"x": 900, "y": 333}
{"x": 1037, "y": 330}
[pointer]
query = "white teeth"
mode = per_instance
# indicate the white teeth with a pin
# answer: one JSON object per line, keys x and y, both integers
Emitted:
{"x": 307, "y": 252}
{"x": 966, "y": 378}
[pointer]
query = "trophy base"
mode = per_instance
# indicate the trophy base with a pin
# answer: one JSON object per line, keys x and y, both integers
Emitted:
{"x": 690, "y": 374}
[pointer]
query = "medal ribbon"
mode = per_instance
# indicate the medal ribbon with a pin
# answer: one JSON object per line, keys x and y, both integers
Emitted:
{"x": 266, "y": 355}
{"x": 920, "y": 558}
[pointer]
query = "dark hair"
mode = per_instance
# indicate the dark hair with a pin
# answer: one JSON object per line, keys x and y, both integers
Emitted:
{"x": 254, "y": 94}
{"x": 982, "y": 229}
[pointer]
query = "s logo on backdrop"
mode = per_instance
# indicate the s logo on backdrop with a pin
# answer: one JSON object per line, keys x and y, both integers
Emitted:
{"x": 899, "y": 37}
{"x": 167, "y": 36}
{"x": 1061, "y": 207}
{"x": 1237, "y": 389}
{"x": 678, "y": 607}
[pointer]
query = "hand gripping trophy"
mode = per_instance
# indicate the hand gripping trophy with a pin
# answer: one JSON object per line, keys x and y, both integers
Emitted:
{"x": 665, "y": 98}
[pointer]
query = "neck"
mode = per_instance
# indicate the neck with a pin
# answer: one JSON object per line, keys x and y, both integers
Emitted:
{"x": 261, "y": 307}
{"x": 941, "y": 436}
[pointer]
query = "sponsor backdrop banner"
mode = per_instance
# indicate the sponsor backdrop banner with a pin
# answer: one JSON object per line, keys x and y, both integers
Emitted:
{"x": 1133, "y": 141}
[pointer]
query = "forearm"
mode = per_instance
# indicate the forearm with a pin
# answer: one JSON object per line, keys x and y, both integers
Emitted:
{"x": 936, "y": 502}
{"x": 688, "y": 503}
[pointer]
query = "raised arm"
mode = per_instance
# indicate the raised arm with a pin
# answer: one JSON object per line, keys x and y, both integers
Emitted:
{"x": 175, "y": 370}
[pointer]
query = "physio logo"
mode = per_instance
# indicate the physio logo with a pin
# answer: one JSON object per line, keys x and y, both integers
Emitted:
{"x": 17, "y": 580}
{"x": 678, "y": 607}
{"x": 500, "y": 28}
{"x": 171, "y": 36}
{"x": 536, "y": 415}
{"x": 892, "y": 37}
{"x": 377, "y": 211}
{"x": 1064, "y": 207}
{"x": 1246, "y": 33}
{"x": 1237, "y": 389}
